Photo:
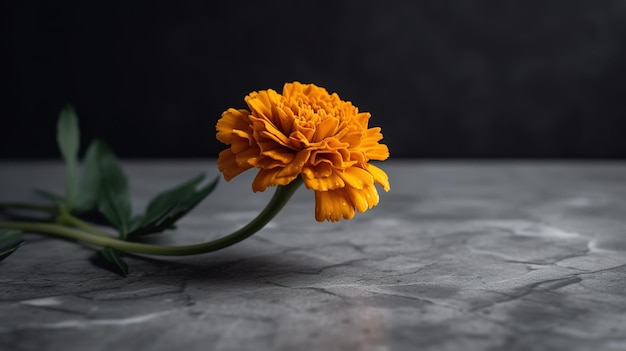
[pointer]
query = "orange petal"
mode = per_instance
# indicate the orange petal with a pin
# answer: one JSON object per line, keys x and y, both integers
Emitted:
{"x": 280, "y": 154}
{"x": 283, "y": 117}
{"x": 356, "y": 177}
{"x": 290, "y": 89}
{"x": 265, "y": 129}
{"x": 232, "y": 120}
{"x": 332, "y": 206}
{"x": 380, "y": 152}
{"x": 363, "y": 199}
{"x": 379, "y": 175}
{"x": 248, "y": 157}
{"x": 298, "y": 141}
{"x": 240, "y": 141}
{"x": 325, "y": 129}
{"x": 362, "y": 119}
{"x": 227, "y": 164}
{"x": 335, "y": 157}
{"x": 269, "y": 177}
{"x": 261, "y": 102}
{"x": 370, "y": 146}
{"x": 239, "y": 145}
{"x": 321, "y": 170}
{"x": 333, "y": 181}
{"x": 268, "y": 163}
{"x": 294, "y": 168}
{"x": 373, "y": 134}
{"x": 305, "y": 128}
{"x": 353, "y": 139}
{"x": 268, "y": 145}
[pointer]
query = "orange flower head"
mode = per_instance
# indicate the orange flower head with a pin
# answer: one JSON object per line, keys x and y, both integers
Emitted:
{"x": 307, "y": 132}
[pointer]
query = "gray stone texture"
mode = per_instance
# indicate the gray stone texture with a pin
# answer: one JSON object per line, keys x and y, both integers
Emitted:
{"x": 458, "y": 256}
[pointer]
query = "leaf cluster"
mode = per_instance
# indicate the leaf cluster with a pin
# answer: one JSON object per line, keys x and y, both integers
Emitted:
{"x": 102, "y": 190}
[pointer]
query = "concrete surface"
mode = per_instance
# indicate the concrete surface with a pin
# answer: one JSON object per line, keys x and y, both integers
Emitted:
{"x": 458, "y": 256}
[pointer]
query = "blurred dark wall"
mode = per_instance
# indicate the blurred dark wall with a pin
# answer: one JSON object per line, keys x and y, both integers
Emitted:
{"x": 444, "y": 78}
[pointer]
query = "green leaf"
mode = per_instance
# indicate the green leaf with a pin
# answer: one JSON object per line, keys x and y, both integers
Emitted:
{"x": 88, "y": 191}
{"x": 105, "y": 187}
{"x": 68, "y": 139}
{"x": 115, "y": 261}
{"x": 10, "y": 240}
{"x": 168, "y": 199}
{"x": 169, "y": 206}
{"x": 114, "y": 197}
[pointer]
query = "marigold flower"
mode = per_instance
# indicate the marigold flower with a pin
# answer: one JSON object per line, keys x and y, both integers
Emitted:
{"x": 307, "y": 132}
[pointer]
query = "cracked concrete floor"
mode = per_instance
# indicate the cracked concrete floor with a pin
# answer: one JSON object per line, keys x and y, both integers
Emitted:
{"x": 458, "y": 256}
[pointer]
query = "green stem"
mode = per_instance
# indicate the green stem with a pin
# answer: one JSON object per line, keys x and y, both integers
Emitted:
{"x": 62, "y": 216}
{"x": 278, "y": 201}
{"x": 66, "y": 218}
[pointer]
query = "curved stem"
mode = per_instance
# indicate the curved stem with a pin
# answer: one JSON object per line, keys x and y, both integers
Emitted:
{"x": 66, "y": 218}
{"x": 278, "y": 201}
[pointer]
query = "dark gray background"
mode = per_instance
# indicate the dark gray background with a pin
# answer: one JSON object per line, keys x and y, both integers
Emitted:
{"x": 444, "y": 78}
